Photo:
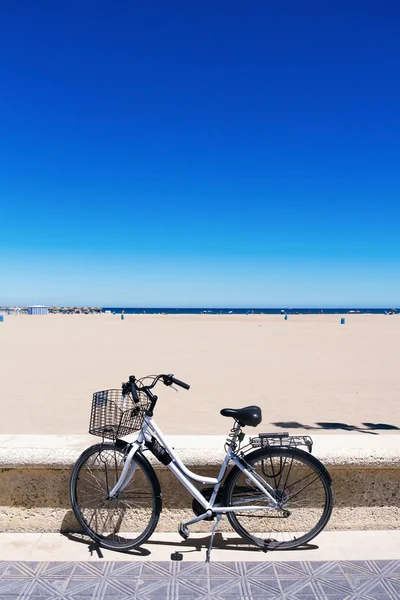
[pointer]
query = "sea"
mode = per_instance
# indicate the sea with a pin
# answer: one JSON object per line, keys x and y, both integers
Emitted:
{"x": 247, "y": 311}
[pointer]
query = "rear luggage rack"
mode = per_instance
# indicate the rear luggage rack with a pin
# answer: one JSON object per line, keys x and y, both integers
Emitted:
{"x": 264, "y": 440}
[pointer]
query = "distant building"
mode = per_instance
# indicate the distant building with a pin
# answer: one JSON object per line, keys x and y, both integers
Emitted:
{"x": 38, "y": 309}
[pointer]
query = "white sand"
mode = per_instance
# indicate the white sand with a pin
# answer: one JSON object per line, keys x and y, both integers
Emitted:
{"x": 306, "y": 370}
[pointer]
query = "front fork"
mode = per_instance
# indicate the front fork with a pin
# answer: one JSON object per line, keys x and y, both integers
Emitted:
{"x": 127, "y": 471}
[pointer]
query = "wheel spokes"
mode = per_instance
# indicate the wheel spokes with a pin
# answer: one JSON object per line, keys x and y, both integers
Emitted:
{"x": 107, "y": 518}
{"x": 299, "y": 491}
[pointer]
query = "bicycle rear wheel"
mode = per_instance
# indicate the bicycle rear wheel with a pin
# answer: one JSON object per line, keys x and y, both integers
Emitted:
{"x": 300, "y": 484}
{"x": 135, "y": 509}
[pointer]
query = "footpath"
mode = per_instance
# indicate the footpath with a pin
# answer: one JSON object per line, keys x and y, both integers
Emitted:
{"x": 348, "y": 565}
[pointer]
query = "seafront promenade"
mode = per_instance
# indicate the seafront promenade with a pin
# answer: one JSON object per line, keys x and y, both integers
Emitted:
{"x": 310, "y": 374}
{"x": 341, "y": 565}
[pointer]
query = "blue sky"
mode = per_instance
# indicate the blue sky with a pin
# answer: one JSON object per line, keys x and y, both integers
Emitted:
{"x": 189, "y": 154}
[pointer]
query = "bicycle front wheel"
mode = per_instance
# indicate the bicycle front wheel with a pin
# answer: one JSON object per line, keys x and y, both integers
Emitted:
{"x": 129, "y": 519}
{"x": 299, "y": 483}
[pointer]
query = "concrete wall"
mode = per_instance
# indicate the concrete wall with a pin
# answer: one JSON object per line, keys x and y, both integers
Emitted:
{"x": 35, "y": 470}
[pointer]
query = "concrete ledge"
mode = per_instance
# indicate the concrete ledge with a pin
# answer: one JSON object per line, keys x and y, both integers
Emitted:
{"x": 60, "y": 452}
{"x": 35, "y": 470}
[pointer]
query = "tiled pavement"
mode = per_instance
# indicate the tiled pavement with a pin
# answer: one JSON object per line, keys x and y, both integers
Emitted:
{"x": 300, "y": 580}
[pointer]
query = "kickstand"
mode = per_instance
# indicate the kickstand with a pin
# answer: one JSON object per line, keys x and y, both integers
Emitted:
{"x": 219, "y": 517}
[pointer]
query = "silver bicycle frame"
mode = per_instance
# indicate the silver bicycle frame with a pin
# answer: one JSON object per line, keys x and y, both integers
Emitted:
{"x": 184, "y": 475}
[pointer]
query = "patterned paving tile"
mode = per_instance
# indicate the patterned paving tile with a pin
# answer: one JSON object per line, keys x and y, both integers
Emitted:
{"x": 291, "y": 570}
{"x": 191, "y": 569}
{"x": 157, "y": 569}
{"x": 224, "y": 570}
{"x": 124, "y": 570}
{"x": 192, "y": 586}
{"x": 367, "y": 567}
{"x": 263, "y": 588}
{"x": 103, "y": 580}
{"x": 260, "y": 570}
{"x": 376, "y": 587}
{"x": 87, "y": 587}
{"x": 320, "y": 569}
{"x": 13, "y": 586}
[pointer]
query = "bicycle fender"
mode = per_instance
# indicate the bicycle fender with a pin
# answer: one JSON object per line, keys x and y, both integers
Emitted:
{"x": 263, "y": 451}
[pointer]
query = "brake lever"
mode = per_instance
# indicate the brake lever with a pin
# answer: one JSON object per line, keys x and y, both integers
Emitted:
{"x": 174, "y": 388}
{"x": 167, "y": 380}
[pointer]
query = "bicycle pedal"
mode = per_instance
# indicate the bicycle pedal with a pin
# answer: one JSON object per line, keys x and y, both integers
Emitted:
{"x": 177, "y": 556}
{"x": 183, "y": 531}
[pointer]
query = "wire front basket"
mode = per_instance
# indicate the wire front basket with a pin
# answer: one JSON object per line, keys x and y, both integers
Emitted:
{"x": 114, "y": 415}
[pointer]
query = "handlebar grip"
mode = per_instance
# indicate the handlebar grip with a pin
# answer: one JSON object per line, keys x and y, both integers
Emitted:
{"x": 182, "y": 384}
{"x": 133, "y": 391}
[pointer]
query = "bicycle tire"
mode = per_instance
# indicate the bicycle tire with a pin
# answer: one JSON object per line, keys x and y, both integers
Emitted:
{"x": 94, "y": 474}
{"x": 235, "y": 493}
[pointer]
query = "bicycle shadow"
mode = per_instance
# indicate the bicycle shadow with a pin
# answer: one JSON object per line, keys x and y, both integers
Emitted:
{"x": 196, "y": 544}
{"x": 94, "y": 548}
{"x": 221, "y": 543}
{"x": 369, "y": 428}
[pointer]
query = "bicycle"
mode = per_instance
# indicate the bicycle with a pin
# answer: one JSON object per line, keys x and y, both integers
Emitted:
{"x": 277, "y": 496}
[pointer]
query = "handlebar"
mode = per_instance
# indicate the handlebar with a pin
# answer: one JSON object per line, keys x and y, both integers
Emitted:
{"x": 132, "y": 387}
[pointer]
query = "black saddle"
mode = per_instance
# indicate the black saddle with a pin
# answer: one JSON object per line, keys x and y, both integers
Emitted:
{"x": 249, "y": 415}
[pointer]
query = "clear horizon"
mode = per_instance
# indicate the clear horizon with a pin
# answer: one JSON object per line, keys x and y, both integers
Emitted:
{"x": 215, "y": 307}
{"x": 152, "y": 155}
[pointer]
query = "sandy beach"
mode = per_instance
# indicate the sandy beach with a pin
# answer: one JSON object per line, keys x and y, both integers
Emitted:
{"x": 308, "y": 374}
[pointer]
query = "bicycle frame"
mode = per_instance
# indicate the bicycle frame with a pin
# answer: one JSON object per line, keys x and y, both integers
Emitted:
{"x": 184, "y": 475}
